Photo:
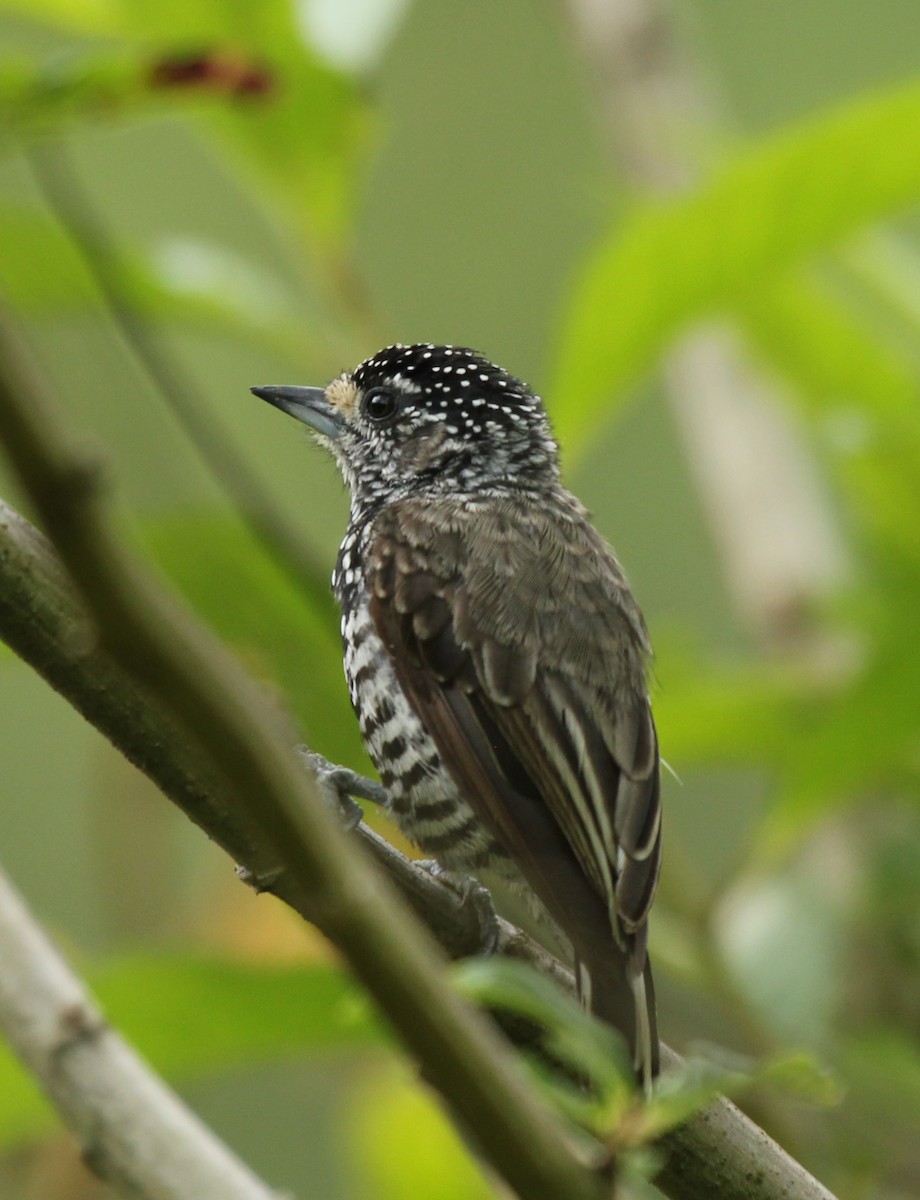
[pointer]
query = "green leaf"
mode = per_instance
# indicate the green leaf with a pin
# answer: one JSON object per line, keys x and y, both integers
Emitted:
{"x": 191, "y": 1017}
{"x": 865, "y": 738}
{"x": 882, "y": 1065}
{"x": 189, "y": 284}
{"x": 585, "y": 1044}
{"x": 54, "y": 92}
{"x": 706, "y": 1074}
{"x": 303, "y": 132}
{"x": 303, "y": 141}
{"x": 588, "y": 1048}
{"x": 717, "y": 713}
{"x": 832, "y": 352}
{"x": 886, "y": 268}
{"x": 83, "y": 16}
{"x": 405, "y": 1145}
{"x": 198, "y": 1014}
{"x": 780, "y": 200}
{"x": 859, "y": 391}
{"x": 611, "y": 1107}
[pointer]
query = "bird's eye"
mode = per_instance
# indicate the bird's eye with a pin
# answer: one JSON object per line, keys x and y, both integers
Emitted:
{"x": 379, "y": 405}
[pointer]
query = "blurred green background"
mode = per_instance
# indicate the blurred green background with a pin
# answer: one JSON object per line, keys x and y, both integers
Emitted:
{"x": 694, "y": 230}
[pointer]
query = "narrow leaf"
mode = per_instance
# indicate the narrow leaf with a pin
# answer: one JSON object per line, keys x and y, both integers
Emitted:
{"x": 782, "y": 199}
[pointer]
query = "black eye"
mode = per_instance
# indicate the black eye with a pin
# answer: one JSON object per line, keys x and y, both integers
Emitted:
{"x": 380, "y": 404}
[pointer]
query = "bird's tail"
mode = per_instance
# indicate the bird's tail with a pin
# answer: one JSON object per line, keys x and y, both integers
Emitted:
{"x": 620, "y": 991}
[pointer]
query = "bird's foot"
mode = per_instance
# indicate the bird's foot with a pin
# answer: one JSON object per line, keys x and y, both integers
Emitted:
{"x": 472, "y": 895}
{"x": 339, "y": 785}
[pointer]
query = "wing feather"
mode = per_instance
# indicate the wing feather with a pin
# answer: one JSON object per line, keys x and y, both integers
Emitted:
{"x": 523, "y": 652}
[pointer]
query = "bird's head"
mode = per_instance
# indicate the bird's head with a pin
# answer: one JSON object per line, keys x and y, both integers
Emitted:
{"x": 426, "y": 417}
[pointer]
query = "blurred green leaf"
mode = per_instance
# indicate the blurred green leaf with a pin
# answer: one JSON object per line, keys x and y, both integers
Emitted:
{"x": 705, "y": 1075}
{"x": 587, "y": 1048}
{"x": 303, "y": 143}
{"x": 738, "y": 712}
{"x": 60, "y": 90}
{"x": 198, "y": 1014}
{"x": 192, "y": 285}
{"x": 302, "y": 134}
{"x": 882, "y": 1066}
{"x": 401, "y": 1144}
{"x": 828, "y": 731}
{"x": 83, "y": 16}
{"x": 795, "y": 193}
{"x": 822, "y": 343}
{"x": 246, "y": 70}
{"x": 191, "y": 1017}
{"x": 858, "y": 389}
{"x": 802, "y": 1077}
{"x": 245, "y": 73}
{"x": 864, "y": 739}
{"x": 885, "y": 266}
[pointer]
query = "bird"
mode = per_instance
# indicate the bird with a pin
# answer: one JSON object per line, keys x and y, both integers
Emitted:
{"x": 495, "y": 656}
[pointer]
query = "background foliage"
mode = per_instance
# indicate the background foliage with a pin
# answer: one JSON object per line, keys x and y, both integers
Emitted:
{"x": 209, "y": 195}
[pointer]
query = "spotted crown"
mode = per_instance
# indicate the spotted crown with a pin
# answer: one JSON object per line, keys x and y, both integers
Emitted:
{"x": 463, "y": 422}
{"x": 454, "y": 376}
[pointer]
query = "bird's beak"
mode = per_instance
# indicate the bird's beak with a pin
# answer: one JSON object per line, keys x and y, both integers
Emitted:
{"x": 307, "y": 404}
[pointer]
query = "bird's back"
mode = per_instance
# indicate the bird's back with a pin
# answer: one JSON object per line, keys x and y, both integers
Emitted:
{"x": 509, "y": 667}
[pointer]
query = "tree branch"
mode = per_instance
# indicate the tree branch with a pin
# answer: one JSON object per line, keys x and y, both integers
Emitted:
{"x": 133, "y": 1131}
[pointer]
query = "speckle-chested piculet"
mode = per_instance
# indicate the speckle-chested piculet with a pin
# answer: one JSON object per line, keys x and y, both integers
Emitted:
{"x": 495, "y": 656}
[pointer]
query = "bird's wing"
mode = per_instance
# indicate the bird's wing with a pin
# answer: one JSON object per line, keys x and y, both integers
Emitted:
{"x": 522, "y": 650}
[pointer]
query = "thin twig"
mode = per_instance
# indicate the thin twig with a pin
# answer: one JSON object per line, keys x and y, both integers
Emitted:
{"x": 160, "y": 646}
{"x": 60, "y": 187}
{"x": 133, "y": 1131}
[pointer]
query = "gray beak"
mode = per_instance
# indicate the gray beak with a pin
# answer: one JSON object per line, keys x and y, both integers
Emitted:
{"x": 307, "y": 404}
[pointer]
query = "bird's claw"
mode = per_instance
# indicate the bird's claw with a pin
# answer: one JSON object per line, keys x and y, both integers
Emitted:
{"x": 472, "y": 895}
{"x": 338, "y": 787}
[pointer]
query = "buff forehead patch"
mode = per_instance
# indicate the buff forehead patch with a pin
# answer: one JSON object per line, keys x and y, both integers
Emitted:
{"x": 342, "y": 394}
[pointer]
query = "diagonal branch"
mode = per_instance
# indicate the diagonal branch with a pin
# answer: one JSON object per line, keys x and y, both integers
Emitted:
{"x": 134, "y": 1132}
{"x": 68, "y": 201}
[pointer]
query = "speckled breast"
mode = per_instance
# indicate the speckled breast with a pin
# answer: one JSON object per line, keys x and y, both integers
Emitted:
{"x": 422, "y": 797}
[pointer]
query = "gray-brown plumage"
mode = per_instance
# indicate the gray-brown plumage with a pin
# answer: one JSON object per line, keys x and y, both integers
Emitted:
{"x": 495, "y": 655}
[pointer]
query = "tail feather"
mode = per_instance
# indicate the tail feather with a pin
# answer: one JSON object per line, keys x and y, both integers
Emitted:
{"x": 645, "y": 1051}
{"x": 620, "y": 991}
